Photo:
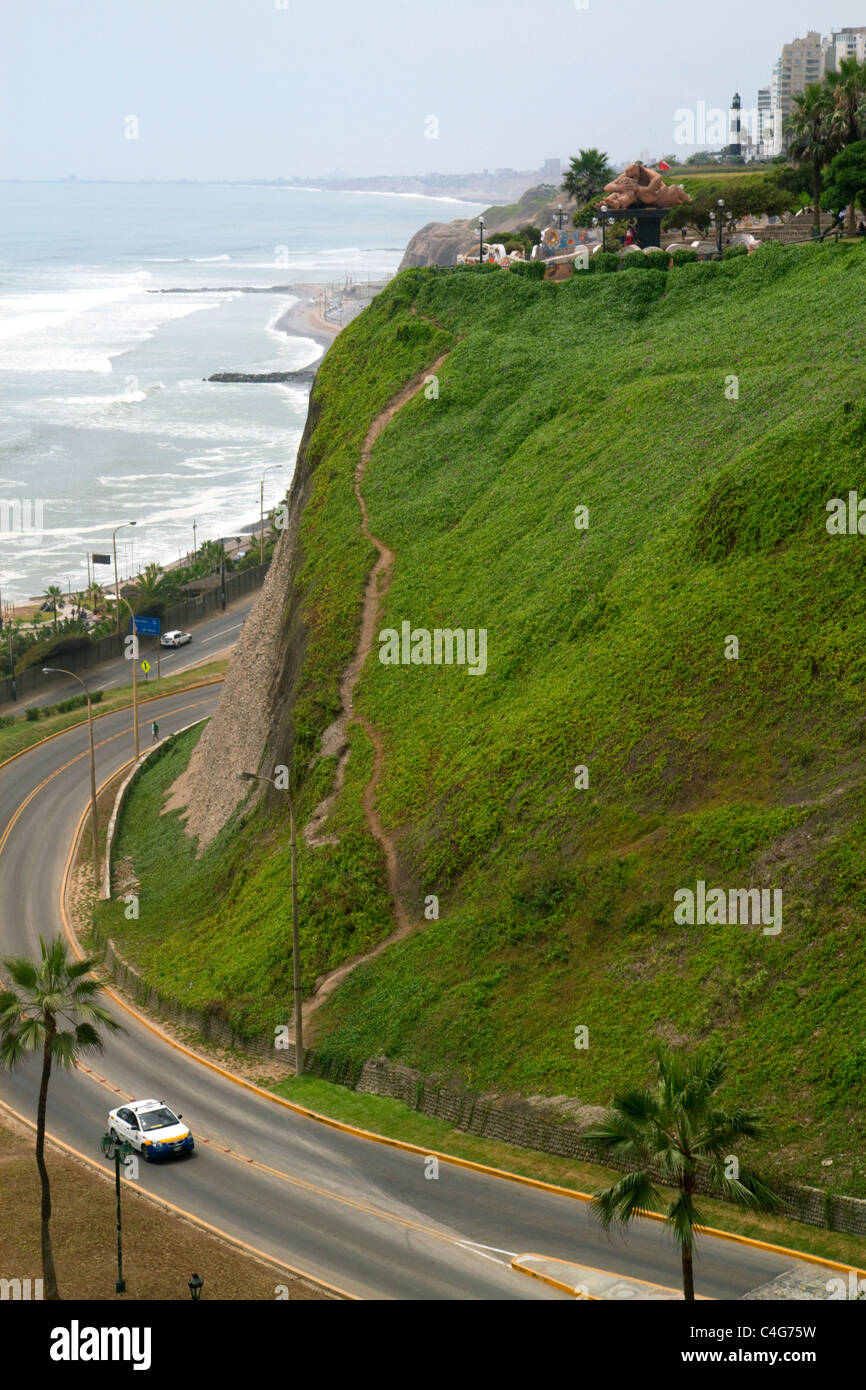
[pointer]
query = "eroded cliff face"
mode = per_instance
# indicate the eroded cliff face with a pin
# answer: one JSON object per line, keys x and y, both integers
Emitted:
{"x": 259, "y": 685}
{"x": 440, "y": 243}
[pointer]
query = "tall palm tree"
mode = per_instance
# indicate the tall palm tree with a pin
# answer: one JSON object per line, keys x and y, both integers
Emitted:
{"x": 847, "y": 88}
{"x": 153, "y": 586}
{"x": 677, "y": 1128}
{"x": 816, "y": 137}
{"x": 42, "y": 997}
{"x": 587, "y": 175}
{"x": 53, "y": 593}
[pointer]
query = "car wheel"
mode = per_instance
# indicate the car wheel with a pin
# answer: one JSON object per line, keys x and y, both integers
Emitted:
{"x": 113, "y": 1134}
{"x": 145, "y": 1153}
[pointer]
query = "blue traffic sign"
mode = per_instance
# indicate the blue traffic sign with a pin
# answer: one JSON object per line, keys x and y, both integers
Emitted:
{"x": 147, "y": 626}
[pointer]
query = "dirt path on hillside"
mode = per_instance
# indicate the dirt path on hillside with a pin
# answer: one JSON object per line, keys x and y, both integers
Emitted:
{"x": 334, "y": 741}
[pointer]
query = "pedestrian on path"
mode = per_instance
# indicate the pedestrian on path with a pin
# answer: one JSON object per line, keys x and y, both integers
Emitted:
{"x": 155, "y": 728}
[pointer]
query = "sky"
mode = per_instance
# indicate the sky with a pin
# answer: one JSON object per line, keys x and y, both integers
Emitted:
{"x": 247, "y": 89}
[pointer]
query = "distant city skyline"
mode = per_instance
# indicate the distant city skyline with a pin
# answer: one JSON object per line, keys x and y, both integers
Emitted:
{"x": 231, "y": 90}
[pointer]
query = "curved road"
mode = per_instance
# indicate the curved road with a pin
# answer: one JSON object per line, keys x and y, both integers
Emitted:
{"x": 357, "y": 1214}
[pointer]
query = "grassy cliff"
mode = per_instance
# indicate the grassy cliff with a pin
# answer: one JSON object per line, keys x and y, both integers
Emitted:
{"x": 606, "y": 649}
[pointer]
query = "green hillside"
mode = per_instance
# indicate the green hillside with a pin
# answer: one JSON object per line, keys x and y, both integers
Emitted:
{"x": 606, "y": 649}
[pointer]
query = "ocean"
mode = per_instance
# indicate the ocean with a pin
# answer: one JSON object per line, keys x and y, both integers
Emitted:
{"x": 105, "y": 415}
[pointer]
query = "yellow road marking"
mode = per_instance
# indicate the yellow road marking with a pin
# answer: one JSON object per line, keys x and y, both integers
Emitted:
{"x": 386, "y": 1140}
{"x": 189, "y": 1216}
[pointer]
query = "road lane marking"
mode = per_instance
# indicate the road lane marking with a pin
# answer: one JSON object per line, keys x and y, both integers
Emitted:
{"x": 341, "y": 1126}
{"x": 123, "y": 733}
{"x": 120, "y": 709}
{"x": 218, "y": 636}
{"x": 188, "y": 1215}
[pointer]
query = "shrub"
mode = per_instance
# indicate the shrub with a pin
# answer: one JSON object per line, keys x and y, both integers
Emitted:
{"x": 605, "y": 261}
{"x": 635, "y": 260}
{"x": 531, "y": 270}
{"x": 730, "y": 252}
{"x": 684, "y": 255}
{"x": 658, "y": 260}
{"x": 6, "y": 721}
{"x": 33, "y": 712}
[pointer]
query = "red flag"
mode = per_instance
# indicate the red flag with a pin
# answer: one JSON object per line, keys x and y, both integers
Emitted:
{"x": 662, "y": 164}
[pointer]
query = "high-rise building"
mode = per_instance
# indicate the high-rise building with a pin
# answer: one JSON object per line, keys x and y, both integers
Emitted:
{"x": 800, "y": 63}
{"x": 844, "y": 43}
{"x": 552, "y": 168}
{"x": 764, "y": 130}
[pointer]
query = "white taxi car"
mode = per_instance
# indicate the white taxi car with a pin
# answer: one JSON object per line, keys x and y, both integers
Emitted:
{"x": 175, "y": 638}
{"x": 151, "y": 1128}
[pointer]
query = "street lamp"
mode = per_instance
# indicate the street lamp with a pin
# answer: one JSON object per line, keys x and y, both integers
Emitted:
{"x": 195, "y": 1286}
{"x": 12, "y": 664}
{"x": 119, "y": 1150}
{"x": 721, "y": 220}
{"x": 605, "y": 222}
{"x": 296, "y": 945}
{"x": 562, "y": 216}
{"x": 269, "y": 469}
{"x": 134, "y": 670}
{"x": 480, "y": 240}
{"x": 59, "y": 671}
{"x": 116, "y": 581}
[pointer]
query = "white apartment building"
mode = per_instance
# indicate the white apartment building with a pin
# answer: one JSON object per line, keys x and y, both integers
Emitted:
{"x": 846, "y": 43}
{"x": 800, "y": 63}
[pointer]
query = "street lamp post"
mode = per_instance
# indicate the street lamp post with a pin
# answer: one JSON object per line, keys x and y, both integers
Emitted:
{"x": 59, "y": 671}
{"x": 480, "y": 240}
{"x": 296, "y": 944}
{"x": 119, "y": 1151}
{"x": 116, "y": 581}
{"x": 561, "y": 216}
{"x": 721, "y": 207}
{"x": 134, "y": 672}
{"x": 194, "y": 541}
{"x": 12, "y": 664}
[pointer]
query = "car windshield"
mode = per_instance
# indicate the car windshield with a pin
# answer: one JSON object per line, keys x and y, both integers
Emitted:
{"x": 157, "y": 1119}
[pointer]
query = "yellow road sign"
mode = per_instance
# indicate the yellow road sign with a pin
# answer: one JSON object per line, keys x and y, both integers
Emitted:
{"x": 145, "y": 666}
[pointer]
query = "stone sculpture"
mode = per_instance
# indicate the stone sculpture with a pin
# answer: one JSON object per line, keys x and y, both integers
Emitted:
{"x": 640, "y": 186}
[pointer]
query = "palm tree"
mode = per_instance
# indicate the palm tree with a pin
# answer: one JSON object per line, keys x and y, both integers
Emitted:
{"x": 587, "y": 176}
{"x": 677, "y": 1129}
{"x": 816, "y": 137}
{"x": 53, "y": 593}
{"x": 42, "y": 997}
{"x": 847, "y": 89}
{"x": 153, "y": 586}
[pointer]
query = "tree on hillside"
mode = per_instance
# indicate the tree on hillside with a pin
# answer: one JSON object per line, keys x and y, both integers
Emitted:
{"x": 847, "y": 88}
{"x": 846, "y": 178}
{"x": 52, "y": 594}
{"x": 587, "y": 175}
{"x": 816, "y": 137}
{"x": 43, "y": 996}
{"x": 677, "y": 1128}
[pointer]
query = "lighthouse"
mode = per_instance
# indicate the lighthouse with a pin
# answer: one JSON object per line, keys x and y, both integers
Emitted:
{"x": 735, "y": 149}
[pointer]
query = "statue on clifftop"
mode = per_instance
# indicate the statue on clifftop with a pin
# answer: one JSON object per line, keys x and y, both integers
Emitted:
{"x": 639, "y": 185}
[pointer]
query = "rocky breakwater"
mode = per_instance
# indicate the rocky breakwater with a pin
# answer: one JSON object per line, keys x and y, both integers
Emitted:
{"x": 304, "y": 375}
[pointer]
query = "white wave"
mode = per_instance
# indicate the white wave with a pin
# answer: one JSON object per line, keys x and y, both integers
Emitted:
{"x": 184, "y": 260}
{"x": 131, "y": 397}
